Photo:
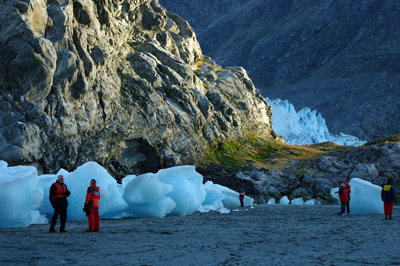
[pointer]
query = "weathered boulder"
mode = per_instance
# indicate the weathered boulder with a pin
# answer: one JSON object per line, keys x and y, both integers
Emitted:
{"x": 365, "y": 171}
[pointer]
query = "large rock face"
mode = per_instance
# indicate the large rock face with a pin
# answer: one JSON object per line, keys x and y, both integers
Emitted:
{"x": 313, "y": 179}
{"x": 337, "y": 56}
{"x": 123, "y": 83}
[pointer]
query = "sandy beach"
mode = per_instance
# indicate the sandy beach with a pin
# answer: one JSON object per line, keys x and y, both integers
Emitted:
{"x": 263, "y": 235}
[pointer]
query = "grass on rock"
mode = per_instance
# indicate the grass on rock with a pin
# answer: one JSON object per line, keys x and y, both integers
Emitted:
{"x": 259, "y": 151}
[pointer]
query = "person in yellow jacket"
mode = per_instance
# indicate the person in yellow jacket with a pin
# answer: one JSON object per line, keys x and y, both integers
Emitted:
{"x": 388, "y": 198}
{"x": 92, "y": 201}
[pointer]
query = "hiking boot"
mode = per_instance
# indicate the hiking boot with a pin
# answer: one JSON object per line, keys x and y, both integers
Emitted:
{"x": 51, "y": 230}
{"x": 62, "y": 231}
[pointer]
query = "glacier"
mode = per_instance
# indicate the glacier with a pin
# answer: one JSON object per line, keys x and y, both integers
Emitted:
{"x": 305, "y": 126}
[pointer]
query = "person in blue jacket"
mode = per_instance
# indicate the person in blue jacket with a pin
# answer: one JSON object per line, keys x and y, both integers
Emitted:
{"x": 388, "y": 198}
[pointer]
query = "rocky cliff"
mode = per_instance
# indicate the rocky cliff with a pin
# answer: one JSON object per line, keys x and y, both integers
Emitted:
{"x": 337, "y": 56}
{"x": 123, "y": 83}
{"x": 309, "y": 171}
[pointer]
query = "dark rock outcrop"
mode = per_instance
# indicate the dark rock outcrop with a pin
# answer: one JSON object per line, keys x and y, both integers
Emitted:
{"x": 123, "y": 83}
{"x": 337, "y": 56}
{"x": 313, "y": 179}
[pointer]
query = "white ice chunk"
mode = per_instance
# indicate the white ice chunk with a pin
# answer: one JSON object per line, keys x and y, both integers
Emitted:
{"x": 111, "y": 202}
{"x": 219, "y": 196}
{"x": 214, "y": 206}
{"x": 224, "y": 210}
{"x": 271, "y": 201}
{"x": 145, "y": 188}
{"x": 297, "y": 201}
{"x": 173, "y": 191}
{"x": 127, "y": 179}
{"x": 124, "y": 182}
{"x": 213, "y": 193}
{"x": 231, "y": 197}
{"x": 284, "y": 200}
{"x": 188, "y": 191}
{"x": 312, "y": 202}
{"x": 19, "y": 196}
{"x": 158, "y": 208}
{"x": 365, "y": 197}
{"x": 3, "y": 164}
{"x": 146, "y": 197}
{"x": 38, "y": 218}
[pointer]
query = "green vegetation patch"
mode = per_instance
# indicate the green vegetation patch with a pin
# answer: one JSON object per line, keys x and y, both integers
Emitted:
{"x": 259, "y": 151}
{"x": 200, "y": 61}
{"x": 392, "y": 139}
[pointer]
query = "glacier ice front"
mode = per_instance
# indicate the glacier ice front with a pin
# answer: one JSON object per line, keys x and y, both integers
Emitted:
{"x": 305, "y": 126}
{"x": 19, "y": 196}
{"x": 365, "y": 197}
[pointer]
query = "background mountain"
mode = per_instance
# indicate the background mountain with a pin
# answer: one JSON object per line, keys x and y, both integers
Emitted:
{"x": 122, "y": 83}
{"x": 340, "y": 57}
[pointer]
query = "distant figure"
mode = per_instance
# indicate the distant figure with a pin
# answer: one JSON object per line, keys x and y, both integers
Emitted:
{"x": 92, "y": 201}
{"x": 58, "y": 199}
{"x": 388, "y": 198}
{"x": 344, "y": 198}
{"x": 241, "y": 198}
{"x": 348, "y": 187}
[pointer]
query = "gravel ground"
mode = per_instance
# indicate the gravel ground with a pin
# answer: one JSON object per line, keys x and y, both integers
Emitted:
{"x": 263, "y": 235}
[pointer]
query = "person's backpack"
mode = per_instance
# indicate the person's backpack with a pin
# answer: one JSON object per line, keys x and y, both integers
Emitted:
{"x": 88, "y": 206}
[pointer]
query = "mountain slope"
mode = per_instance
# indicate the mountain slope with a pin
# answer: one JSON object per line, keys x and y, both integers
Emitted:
{"x": 339, "y": 57}
{"x": 120, "y": 83}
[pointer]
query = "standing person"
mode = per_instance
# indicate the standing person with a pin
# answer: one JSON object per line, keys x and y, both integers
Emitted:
{"x": 344, "y": 198}
{"x": 348, "y": 187}
{"x": 58, "y": 199}
{"x": 92, "y": 200}
{"x": 388, "y": 198}
{"x": 241, "y": 198}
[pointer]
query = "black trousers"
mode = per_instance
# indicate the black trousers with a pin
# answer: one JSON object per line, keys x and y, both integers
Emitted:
{"x": 62, "y": 212}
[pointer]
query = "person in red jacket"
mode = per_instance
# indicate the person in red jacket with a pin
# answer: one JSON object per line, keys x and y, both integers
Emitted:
{"x": 348, "y": 187}
{"x": 241, "y": 198}
{"x": 92, "y": 200}
{"x": 58, "y": 198}
{"x": 344, "y": 198}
